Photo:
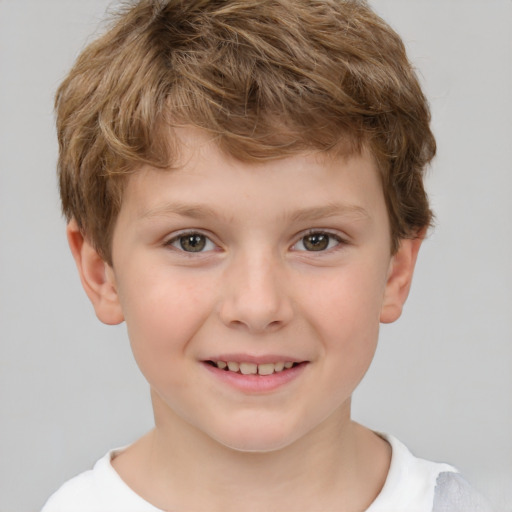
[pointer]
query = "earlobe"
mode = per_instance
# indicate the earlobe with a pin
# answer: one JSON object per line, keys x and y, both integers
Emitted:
{"x": 96, "y": 275}
{"x": 400, "y": 279}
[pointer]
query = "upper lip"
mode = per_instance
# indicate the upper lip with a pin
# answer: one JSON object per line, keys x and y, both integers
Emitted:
{"x": 256, "y": 359}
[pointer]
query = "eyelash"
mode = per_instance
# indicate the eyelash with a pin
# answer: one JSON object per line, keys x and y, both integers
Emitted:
{"x": 340, "y": 242}
{"x": 178, "y": 239}
{"x": 329, "y": 237}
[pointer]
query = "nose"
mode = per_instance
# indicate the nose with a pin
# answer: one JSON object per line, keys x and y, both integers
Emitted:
{"x": 255, "y": 294}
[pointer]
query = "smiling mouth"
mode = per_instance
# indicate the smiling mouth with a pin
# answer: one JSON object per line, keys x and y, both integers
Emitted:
{"x": 253, "y": 368}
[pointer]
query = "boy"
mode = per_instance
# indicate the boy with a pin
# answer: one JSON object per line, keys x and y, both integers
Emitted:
{"x": 243, "y": 186}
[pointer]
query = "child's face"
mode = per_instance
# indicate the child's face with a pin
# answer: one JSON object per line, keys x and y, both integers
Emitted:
{"x": 286, "y": 261}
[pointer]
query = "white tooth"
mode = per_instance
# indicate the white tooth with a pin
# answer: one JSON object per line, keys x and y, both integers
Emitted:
{"x": 221, "y": 365}
{"x": 233, "y": 366}
{"x": 266, "y": 369}
{"x": 278, "y": 367}
{"x": 288, "y": 364}
{"x": 248, "y": 368}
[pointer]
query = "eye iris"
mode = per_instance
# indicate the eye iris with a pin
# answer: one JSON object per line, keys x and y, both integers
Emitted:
{"x": 193, "y": 243}
{"x": 316, "y": 242}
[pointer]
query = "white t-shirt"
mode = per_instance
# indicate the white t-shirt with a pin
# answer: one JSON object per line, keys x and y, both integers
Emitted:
{"x": 412, "y": 485}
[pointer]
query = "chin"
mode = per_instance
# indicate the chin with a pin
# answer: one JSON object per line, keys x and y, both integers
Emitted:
{"x": 256, "y": 438}
{"x": 259, "y": 445}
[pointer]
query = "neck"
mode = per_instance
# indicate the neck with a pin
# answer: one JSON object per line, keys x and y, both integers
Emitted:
{"x": 339, "y": 465}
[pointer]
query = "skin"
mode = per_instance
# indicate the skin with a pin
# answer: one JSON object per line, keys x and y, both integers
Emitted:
{"x": 256, "y": 290}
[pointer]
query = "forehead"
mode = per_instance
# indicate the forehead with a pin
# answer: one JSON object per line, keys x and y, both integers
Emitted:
{"x": 205, "y": 175}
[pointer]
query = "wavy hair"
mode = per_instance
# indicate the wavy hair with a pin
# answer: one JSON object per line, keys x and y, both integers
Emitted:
{"x": 268, "y": 78}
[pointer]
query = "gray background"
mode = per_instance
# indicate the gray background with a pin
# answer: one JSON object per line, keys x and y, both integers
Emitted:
{"x": 441, "y": 380}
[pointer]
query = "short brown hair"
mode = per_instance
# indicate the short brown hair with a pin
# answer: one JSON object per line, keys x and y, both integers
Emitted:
{"x": 269, "y": 78}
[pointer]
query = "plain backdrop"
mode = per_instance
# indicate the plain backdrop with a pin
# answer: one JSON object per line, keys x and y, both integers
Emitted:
{"x": 442, "y": 377}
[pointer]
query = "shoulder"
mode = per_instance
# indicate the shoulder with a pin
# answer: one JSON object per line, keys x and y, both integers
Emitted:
{"x": 418, "y": 485}
{"x": 98, "y": 490}
{"x": 454, "y": 494}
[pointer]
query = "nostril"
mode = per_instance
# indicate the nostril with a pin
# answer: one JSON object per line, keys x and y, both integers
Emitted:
{"x": 256, "y": 314}
{"x": 256, "y": 327}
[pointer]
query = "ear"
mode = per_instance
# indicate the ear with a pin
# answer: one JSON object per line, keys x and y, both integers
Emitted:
{"x": 399, "y": 280}
{"x": 96, "y": 275}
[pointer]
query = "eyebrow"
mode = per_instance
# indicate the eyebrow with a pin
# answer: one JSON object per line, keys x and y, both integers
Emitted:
{"x": 200, "y": 211}
{"x": 193, "y": 211}
{"x": 329, "y": 210}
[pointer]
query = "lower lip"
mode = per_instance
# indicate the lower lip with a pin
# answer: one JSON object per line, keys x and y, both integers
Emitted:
{"x": 257, "y": 383}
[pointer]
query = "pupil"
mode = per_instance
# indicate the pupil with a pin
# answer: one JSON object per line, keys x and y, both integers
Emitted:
{"x": 316, "y": 242}
{"x": 193, "y": 243}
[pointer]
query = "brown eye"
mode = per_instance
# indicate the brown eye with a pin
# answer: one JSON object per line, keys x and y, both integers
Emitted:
{"x": 316, "y": 242}
{"x": 191, "y": 242}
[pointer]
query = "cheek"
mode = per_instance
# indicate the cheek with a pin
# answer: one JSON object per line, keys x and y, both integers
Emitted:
{"x": 163, "y": 313}
{"x": 344, "y": 310}
{"x": 345, "y": 298}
